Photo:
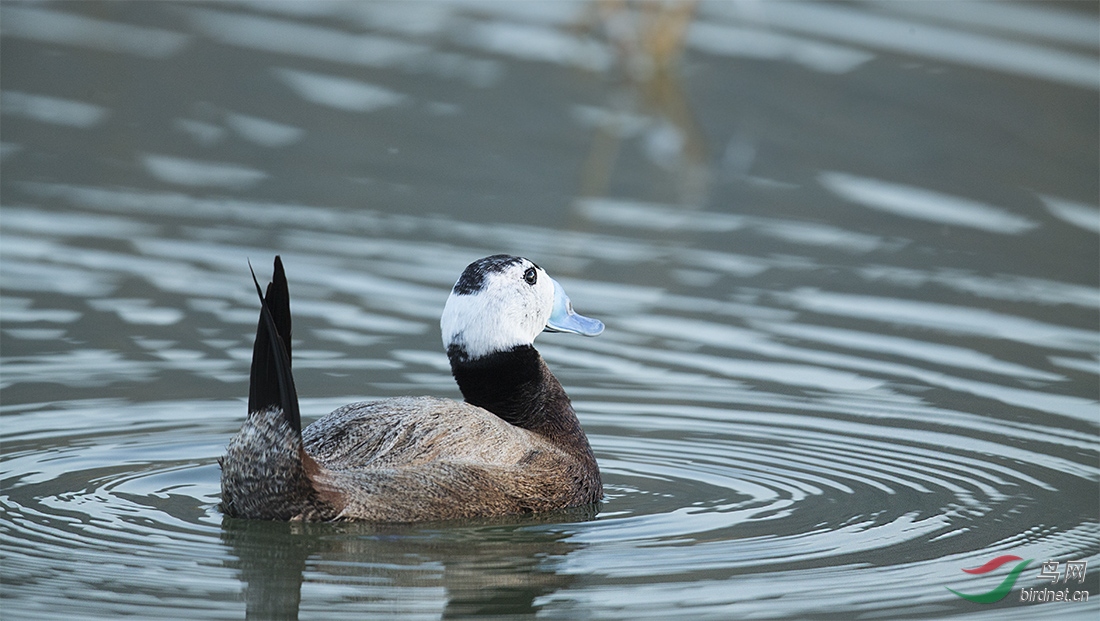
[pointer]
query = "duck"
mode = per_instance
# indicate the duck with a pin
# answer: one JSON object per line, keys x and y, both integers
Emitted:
{"x": 514, "y": 445}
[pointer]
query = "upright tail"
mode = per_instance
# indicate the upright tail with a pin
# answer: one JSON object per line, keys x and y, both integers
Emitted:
{"x": 271, "y": 383}
{"x": 266, "y": 473}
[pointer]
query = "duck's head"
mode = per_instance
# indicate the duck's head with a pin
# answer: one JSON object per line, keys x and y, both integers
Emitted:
{"x": 501, "y": 302}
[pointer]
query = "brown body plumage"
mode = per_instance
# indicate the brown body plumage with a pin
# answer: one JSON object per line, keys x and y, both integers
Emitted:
{"x": 515, "y": 446}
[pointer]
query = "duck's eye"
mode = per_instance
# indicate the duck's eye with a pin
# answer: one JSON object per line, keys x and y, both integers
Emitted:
{"x": 531, "y": 276}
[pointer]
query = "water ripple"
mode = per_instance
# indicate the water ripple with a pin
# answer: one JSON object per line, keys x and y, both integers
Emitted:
{"x": 819, "y": 394}
{"x": 731, "y": 492}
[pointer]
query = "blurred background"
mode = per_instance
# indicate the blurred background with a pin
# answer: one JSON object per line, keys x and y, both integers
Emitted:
{"x": 848, "y": 255}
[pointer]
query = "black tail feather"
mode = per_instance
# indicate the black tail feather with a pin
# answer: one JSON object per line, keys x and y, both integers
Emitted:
{"x": 271, "y": 382}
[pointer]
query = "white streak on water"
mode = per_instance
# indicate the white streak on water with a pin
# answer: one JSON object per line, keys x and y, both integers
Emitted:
{"x": 759, "y": 43}
{"x": 719, "y": 335}
{"x": 1088, "y": 365}
{"x": 295, "y": 38}
{"x": 535, "y": 42}
{"x": 1040, "y": 20}
{"x": 655, "y": 216}
{"x": 922, "y": 204}
{"x": 815, "y": 234}
{"x": 52, "y": 110}
{"x": 90, "y": 272}
{"x": 59, "y": 27}
{"x": 32, "y": 334}
{"x": 954, "y": 448}
{"x": 802, "y": 375}
{"x": 339, "y": 92}
{"x": 946, "y": 318}
{"x": 624, "y": 370}
{"x": 726, "y": 262}
{"x": 181, "y": 205}
{"x": 349, "y": 338}
{"x": 19, "y": 310}
{"x": 939, "y": 354}
{"x": 138, "y": 311}
{"x": 999, "y": 287}
{"x": 31, "y": 275}
{"x": 916, "y": 38}
{"x": 350, "y": 316}
{"x": 531, "y": 241}
{"x": 620, "y": 123}
{"x": 264, "y": 132}
{"x": 633, "y": 214}
{"x": 73, "y": 223}
{"x": 201, "y": 173}
{"x": 416, "y": 19}
{"x": 562, "y": 13}
{"x": 203, "y": 133}
{"x": 80, "y": 368}
{"x": 1077, "y": 214}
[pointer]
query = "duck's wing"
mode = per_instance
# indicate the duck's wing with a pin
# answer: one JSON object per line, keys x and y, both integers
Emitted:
{"x": 408, "y": 432}
{"x": 423, "y": 458}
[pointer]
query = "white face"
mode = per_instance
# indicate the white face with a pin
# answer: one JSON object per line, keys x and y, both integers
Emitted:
{"x": 499, "y": 302}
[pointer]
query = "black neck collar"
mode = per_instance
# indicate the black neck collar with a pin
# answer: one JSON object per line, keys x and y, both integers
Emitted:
{"x": 517, "y": 386}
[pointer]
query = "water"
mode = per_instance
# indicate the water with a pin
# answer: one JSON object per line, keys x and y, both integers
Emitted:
{"x": 846, "y": 255}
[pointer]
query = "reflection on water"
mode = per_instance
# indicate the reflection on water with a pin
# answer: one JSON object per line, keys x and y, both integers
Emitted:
{"x": 50, "y": 26}
{"x": 846, "y": 256}
{"x": 411, "y": 571}
{"x": 929, "y": 40}
{"x": 924, "y": 204}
